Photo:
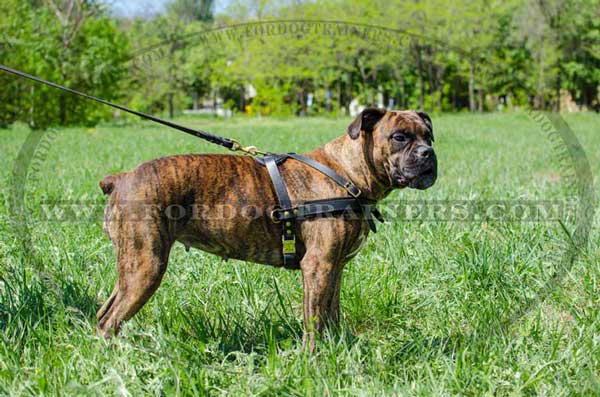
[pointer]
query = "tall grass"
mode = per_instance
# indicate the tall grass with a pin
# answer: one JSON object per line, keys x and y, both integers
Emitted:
{"x": 429, "y": 308}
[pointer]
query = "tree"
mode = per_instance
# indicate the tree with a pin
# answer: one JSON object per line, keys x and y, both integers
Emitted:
{"x": 193, "y": 10}
{"x": 68, "y": 43}
{"x": 580, "y": 47}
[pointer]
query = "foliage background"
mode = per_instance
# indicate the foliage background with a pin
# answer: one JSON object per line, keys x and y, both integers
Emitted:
{"x": 455, "y": 56}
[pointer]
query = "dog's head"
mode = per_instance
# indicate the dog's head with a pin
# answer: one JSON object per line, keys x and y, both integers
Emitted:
{"x": 398, "y": 144}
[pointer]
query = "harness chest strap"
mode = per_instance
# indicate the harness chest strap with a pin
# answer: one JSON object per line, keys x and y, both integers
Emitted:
{"x": 288, "y": 236}
{"x": 289, "y": 216}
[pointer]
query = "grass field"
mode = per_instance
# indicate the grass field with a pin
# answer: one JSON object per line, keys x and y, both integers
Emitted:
{"x": 428, "y": 308}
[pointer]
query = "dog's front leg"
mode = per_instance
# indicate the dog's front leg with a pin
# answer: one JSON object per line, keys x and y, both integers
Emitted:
{"x": 321, "y": 281}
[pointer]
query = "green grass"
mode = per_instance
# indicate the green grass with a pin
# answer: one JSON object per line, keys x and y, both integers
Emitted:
{"x": 429, "y": 308}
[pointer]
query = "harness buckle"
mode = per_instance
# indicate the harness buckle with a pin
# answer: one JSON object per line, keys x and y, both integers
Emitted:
{"x": 289, "y": 245}
{"x": 353, "y": 190}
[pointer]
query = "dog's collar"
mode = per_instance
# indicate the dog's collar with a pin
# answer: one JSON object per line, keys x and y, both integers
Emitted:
{"x": 289, "y": 215}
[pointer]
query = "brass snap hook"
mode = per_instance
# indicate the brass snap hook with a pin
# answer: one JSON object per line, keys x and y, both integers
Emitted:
{"x": 248, "y": 150}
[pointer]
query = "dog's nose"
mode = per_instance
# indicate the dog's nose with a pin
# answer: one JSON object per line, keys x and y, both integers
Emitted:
{"x": 424, "y": 151}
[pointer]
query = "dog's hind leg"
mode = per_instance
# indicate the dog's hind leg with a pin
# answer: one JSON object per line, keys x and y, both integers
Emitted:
{"x": 142, "y": 255}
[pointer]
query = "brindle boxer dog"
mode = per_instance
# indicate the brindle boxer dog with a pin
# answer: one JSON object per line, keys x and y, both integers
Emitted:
{"x": 382, "y": 151}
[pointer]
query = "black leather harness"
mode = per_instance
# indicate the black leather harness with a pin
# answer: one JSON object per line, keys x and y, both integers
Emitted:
{"x": 288, "y": 215}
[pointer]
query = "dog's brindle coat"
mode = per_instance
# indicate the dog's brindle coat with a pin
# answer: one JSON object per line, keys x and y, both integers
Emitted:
{"x": 221, "y": 204}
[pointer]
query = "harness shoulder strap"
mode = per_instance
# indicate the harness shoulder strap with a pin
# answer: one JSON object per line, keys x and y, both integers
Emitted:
{"x": 340, "y": 180}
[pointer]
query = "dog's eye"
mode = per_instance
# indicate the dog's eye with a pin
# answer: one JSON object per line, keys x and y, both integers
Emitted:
{"x": 399, "y": 137}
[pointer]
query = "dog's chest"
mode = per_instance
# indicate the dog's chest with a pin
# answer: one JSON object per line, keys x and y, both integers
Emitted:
{"x": 357, "y": 242}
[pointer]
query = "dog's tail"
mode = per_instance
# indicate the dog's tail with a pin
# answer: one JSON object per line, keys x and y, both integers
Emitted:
{"x": 108, "y": 183}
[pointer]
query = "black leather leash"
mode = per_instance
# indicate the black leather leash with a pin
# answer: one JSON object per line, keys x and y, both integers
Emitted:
{"x": 229, "y": 143}
{"x": 289, "y": 215}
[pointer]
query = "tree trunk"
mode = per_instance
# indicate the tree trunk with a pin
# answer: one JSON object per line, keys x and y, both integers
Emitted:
{"x": 481, "y": 100}
{"x": 171, "y": 107}
{"x": 454, "y": 92}
{"x": 421, "y": 79}
{"x": 349, "y": 91}
{"x": 431, "y": 77}
{"x": 62, "y": 104}
{"x": 440, "y": 84}
{"x": 541, "y": 101}
{"x": 302, "y": 102}
{"x": 402, "y": 99}
{"x": 339, "y": 94}
{"x": 471, "y": 87}
{"x": 555, "y": 24}
{"x": 62, "y": 98}
{"x": 172, "y": 82}
{"x": 365, "y": 79}
{"x": 32, "y": 107}
{"x": 195, "y": 100}
{"x": 558, "y": 87}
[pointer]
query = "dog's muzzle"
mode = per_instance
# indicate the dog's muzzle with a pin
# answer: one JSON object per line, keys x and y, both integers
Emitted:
{"x": 421, "y": 173}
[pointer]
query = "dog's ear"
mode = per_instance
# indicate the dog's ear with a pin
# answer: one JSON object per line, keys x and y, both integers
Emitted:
{"x": 365, "y": 121}
{"x": 427, "y": 120}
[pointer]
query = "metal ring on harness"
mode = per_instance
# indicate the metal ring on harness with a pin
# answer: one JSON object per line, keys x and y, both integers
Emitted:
{"x": 274, "y": 218}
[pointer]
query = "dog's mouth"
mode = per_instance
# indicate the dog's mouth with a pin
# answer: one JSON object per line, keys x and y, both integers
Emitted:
{"x": 403, "y": 181}
{"x": 421, "y": 180}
